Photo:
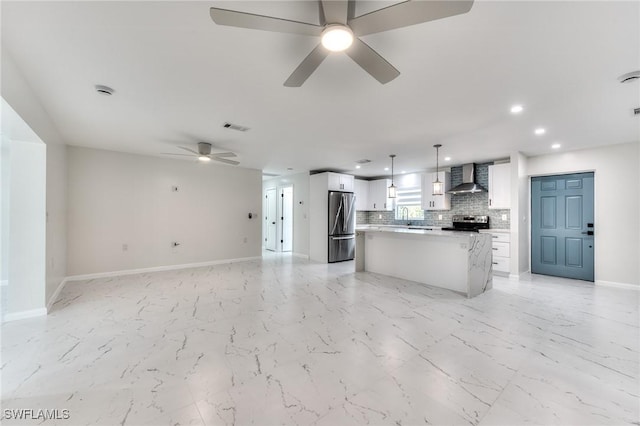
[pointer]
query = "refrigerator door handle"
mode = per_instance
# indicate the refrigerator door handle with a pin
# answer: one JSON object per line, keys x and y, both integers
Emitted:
{"x": 351, "y": 237}
{"x": 335, "y": 223}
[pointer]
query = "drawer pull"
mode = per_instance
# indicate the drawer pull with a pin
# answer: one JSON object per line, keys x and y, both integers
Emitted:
{"x": 494, "y": 236}
{"x": 494, "y": 248}
{"x": 495, "y": 263}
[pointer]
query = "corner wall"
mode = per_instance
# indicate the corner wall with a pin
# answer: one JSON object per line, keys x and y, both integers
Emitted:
{"x": 617, "y": 206}
{"x": 123, "y": 213}
{"x": 20, "y": 96}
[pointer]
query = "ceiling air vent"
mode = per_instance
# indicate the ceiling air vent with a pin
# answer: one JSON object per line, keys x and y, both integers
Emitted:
{"x": 237, "y": 127}
{"x": 363, "y": 161}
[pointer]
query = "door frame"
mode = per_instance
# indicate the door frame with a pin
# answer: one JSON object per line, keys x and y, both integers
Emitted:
{"x": 595, "y": 217}
{"x": 279, "y": 228}
{"x": 278, "y": 189}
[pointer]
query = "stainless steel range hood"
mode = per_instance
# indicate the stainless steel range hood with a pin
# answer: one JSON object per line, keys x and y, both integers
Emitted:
{"x": 468, "y": 185}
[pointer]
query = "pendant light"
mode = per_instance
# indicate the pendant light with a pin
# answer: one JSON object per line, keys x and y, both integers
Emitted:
{"x": 392, "y": 188}
{"x": 438, "y": 187}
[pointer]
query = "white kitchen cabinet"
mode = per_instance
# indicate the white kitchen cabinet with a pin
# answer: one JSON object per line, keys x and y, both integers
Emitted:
{"x": 500, "y": 186}
{"x": 340, "y": 182}
{"x": 361, "y": 189}
{"x": 378, "y": 191}
{"x": 436, "y": 202}
{"x": 501, "y": 250}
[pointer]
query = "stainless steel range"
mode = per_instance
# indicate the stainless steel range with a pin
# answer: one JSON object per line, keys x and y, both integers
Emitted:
{"x": 468, "y": 223}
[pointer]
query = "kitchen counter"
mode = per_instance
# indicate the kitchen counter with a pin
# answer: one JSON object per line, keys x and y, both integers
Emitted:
{"x": 458, "y": 261}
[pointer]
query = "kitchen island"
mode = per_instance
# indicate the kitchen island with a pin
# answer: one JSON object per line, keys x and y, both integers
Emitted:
{"x": 458, "y": 261}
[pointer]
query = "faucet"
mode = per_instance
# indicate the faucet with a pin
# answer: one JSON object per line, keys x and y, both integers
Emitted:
{"x": 404, "y": 211}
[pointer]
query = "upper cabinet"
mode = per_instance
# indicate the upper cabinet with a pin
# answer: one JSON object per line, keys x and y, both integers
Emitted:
{"x": 340, "y": 182}
{"x": 378, "y": 191}
{"x": 361, "y": 189}
{"x": 436, "y": 202}
{"x": 500, "y": 186}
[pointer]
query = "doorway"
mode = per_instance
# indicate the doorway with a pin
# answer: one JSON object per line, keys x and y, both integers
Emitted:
{"x": 286, "y": 218}
{"x": 270, "y": 219}
{"x": 562, "y": 226}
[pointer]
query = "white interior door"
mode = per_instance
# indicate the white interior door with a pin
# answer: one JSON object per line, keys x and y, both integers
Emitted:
{"x": 286, "y": 218}
{"x": 270, "y": 219}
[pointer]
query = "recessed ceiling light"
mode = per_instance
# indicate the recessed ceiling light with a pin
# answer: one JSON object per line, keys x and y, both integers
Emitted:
{"x": 386, "y": 169}
{"x": 556, "y": 146}
{"x": 358, "y": 166}
{"x": 204, "y": 158}
{"x": 104, "y": 90}
{"x": 447, "y": 158}
{"x": 540, "y": 131}
{"x": 403, "y": 172}
{"x": 516, "y": 109}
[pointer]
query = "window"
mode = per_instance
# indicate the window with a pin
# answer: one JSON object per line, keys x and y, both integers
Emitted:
{"x": 409, "y": 200}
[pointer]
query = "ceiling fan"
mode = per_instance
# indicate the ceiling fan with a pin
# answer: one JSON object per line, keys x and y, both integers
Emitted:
{"x": 340, "y": 30}
{"x": 204, "y": 154}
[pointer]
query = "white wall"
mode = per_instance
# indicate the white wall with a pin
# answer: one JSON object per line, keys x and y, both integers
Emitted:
{"x": 617, "y": 208}
{"x": 118, "y": 199}
{"x": 300, "y": 182}
{"x": 19, "y": 95}
{"x": 519, "y": 247}
{"x": 26, "y": 273}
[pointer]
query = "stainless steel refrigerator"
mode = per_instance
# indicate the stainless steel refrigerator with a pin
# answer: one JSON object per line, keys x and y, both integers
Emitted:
{"x": 342, "y": 226}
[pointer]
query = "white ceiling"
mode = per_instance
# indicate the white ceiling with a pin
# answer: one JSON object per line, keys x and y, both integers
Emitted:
{"x": 178, "y": 77}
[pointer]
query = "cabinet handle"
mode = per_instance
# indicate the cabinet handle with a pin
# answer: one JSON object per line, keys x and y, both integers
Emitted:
{"x": 489, "y": 201}
{"x": 494, "y": 236}
{"x": 385, "y": 205}
{"x": 374, "y": 205}
{"x": 495, "y": 263}
{"x": 494, "y": 248}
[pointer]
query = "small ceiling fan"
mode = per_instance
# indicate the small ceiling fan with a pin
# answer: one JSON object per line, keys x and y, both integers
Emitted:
{"x": 204, "y": 154}
{"x": 340, "y": 30}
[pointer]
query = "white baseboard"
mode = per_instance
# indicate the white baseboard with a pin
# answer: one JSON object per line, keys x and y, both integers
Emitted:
{"x": 32, "y": 313}
{"x": 303, "y": 256}
{"x": 56, "y": 294}
{"x": 618, "y": 285}
{"x": 158, "y": 269}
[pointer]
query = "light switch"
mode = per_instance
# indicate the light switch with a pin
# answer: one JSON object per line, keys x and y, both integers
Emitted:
{"x": 504, "y": 217}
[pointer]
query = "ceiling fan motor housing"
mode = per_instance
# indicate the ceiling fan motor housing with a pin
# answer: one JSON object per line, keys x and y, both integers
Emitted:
{"x": 204, "y": 148}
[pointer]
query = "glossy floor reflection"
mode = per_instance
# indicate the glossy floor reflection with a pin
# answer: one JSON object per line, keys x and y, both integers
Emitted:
{"x": 286, "y": 341}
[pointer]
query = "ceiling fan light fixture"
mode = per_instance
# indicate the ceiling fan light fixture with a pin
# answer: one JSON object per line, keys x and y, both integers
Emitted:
{"x": 204, "y": 158}
{"x": 337, "y": 38}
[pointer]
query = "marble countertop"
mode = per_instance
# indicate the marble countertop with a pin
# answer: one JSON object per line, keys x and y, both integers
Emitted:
{"x": 428, "y": 231}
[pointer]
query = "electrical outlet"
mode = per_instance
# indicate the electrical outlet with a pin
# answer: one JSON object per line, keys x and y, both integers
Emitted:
{"x": 439, "y": 217}
{"x": 504, "y": 217}
{"x": 125, "y": 247}
{"x": 379, "y": 216}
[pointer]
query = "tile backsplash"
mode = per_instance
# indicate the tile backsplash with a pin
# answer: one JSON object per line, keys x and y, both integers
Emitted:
{"x": 469, "y": 204}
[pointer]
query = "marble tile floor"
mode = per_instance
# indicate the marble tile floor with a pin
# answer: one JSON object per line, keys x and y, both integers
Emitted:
{"x": 287, "y": 341}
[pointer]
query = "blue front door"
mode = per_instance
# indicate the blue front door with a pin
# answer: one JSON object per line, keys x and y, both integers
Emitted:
{"x": 562, "y": 227}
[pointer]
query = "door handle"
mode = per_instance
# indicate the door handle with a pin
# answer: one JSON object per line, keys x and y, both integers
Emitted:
{"x": 587, "y": 233}
{"x": 273, "y": 223}
{"x": 344, "y": 238}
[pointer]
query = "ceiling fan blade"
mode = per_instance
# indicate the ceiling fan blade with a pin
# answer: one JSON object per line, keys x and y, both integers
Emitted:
{"x": 371, "y": 61}
{"x": 224, "y": 160}
{"x": 224, "y": 154}
{"x": 234, "y": 18}
{"x": 407, "y": 13}
{"x": 335, "y": 11}
{"x": 190, "y": 150}
{"x": 307, "y": 67}
{"x": 181, "y": 155}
